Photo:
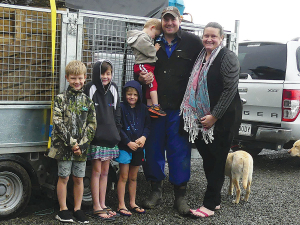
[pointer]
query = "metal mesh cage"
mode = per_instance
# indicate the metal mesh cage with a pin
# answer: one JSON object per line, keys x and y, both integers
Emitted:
{"x": 106, "y": 39}
{"x": 25, "y": 49}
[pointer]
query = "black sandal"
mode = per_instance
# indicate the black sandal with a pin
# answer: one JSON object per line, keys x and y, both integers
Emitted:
{"x": 108, "y": 209}
{"x": 97, "y": 213}
{"x": 134, "y": 209}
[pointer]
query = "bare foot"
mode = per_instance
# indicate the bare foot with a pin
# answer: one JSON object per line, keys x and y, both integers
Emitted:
{"x": 218, "y": 207}
{"x": 202, "y": 212}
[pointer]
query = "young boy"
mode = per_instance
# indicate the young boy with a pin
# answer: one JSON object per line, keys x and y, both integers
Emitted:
{"x": 135, "y": 129}
{"x": 144, "y": 50}
{"x": 74, "y": 125}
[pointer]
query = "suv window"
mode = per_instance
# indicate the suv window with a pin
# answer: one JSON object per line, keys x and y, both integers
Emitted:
{"x": 263, "y": 60}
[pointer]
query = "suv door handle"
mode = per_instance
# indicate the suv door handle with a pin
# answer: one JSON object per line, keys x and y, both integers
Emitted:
{"x": 244, "y": 101}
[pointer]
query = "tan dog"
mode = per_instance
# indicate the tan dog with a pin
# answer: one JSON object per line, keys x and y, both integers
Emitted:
{"x": 239, "y": 164}
{"x": 295, "y": 150}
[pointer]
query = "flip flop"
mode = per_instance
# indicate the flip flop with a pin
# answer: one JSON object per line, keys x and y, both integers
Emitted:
{"x": 108, "y": 209}
{"x": 134, "y": 209}
{"x": 96, "y": 214}
{"x": 198, "y": 210}
{"x": 123, "y": 214}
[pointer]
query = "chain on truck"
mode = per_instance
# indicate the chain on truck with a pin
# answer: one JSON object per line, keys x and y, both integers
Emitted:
{"x": 27, "y": 83}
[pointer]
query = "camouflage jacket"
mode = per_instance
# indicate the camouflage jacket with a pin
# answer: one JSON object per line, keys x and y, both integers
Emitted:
{"x": 74, "y": 121}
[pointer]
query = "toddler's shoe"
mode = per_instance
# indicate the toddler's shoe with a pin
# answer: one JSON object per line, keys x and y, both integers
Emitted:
{"x": 156, "y": 109}
{"x": 152, "y": 115}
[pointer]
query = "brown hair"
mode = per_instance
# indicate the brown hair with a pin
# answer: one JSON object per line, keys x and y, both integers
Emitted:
{"x": 215, "y": 25}
{"x": 129, "y": 89}
{"x": 75, "y": 67}
{"x": 153, "y": 22}
{"x": 105, "y": 66}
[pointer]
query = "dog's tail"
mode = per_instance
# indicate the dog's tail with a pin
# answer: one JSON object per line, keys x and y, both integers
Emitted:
{"x": 247, "y": 171}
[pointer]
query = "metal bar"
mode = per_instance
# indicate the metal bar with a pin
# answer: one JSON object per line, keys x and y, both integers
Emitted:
{"x": 24, "y": 103}
{"x": 22, "y": 149}
{"x": 25, "y": 106}
{"x": 29, "y": 8}
{"x": 79, "y": 36}
{"x": 237, "y": 31}
{"x": 63, "y": 54}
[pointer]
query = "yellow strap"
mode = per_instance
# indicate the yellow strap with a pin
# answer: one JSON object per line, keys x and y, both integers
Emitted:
{"x": 53, "y": 35}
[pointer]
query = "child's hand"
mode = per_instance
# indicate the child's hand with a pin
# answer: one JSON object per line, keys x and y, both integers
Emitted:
{"x": 75, "y": 147}
{"x": 141, "y": 141}
{"x": 76, "y": 150}
{"x": 133, "y": 146}
{"x": 157, "y": 46}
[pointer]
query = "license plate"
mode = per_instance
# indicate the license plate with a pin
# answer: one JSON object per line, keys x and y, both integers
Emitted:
{"x": 245, "y": 129}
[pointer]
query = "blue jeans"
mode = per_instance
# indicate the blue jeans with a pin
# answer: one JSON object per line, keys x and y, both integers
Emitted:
{"x": 164, "y": 137}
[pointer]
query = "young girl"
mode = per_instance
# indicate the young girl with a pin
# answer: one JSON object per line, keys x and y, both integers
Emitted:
{"x": 104, "y": 146}
{"x": 135, "y": 130}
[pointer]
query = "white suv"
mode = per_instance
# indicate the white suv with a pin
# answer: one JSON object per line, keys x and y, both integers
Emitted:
{"x": 269, "y": 87}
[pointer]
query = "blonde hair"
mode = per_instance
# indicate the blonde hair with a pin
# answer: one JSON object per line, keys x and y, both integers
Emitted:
{"x": 153, "y": 22}
{"x": 75, "y": 67}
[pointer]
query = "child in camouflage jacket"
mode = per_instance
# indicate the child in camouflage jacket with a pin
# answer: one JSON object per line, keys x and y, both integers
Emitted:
{"x": 74, "y": 125}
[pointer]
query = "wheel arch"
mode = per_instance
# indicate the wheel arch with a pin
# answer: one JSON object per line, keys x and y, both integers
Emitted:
{"x": 25, "y": 164}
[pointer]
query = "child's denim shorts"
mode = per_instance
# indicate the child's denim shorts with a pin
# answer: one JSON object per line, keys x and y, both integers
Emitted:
{"x": 65, "y": 168}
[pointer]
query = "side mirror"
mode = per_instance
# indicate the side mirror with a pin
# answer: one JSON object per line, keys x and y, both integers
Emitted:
{"x": 245, "y": 76}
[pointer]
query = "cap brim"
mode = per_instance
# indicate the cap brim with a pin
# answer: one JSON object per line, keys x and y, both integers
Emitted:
{"x": 172, "y": 13}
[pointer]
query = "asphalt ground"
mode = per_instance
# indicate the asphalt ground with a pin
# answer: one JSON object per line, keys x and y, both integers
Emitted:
{"x": 274, "y": 198}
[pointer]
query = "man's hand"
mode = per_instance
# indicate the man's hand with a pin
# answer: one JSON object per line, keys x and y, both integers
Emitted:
{"x": 133, "y": 146}
{"x": 141, "y": 141}
{"x": 145, "y": 78}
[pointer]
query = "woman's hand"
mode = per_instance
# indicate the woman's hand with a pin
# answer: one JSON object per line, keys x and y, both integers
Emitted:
{"x": 145, "y": 78}
{"x": 208, "y": 121}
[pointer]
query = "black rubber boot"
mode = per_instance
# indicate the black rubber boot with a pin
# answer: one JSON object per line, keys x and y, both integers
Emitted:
{"x": 155, "y": 196}
{"x": 180, "y": 203}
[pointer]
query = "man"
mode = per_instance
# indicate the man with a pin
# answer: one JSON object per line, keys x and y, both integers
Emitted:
{"x": 176, "y": 57}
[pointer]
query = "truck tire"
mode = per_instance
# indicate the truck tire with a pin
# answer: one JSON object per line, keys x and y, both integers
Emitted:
{"x": 15, "y": 189}
{"x": 87, "y": 200}
{"x": 87, "y": 194}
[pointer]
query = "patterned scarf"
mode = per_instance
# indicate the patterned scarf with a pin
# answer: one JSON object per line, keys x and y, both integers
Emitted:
{"x": 196, "y": 104}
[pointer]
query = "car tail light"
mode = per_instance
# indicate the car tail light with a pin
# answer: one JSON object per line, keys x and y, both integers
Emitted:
{"x": 290, "y": 105}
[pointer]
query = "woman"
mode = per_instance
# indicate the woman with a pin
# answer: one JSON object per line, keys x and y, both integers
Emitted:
{"x": 211, "y": 110}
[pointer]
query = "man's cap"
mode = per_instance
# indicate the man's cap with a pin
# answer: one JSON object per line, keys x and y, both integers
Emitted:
{"x": 171, "y": 10}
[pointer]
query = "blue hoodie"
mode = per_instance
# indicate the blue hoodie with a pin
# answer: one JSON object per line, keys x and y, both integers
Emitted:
{"x": 135, "y": 121}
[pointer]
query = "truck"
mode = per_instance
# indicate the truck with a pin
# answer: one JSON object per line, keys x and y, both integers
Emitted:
{"x": 269, "y": 87}
{"x": 27, "y": 87}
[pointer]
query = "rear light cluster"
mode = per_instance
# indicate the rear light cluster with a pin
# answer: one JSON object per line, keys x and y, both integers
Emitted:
{"x": 290, "y": 105}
